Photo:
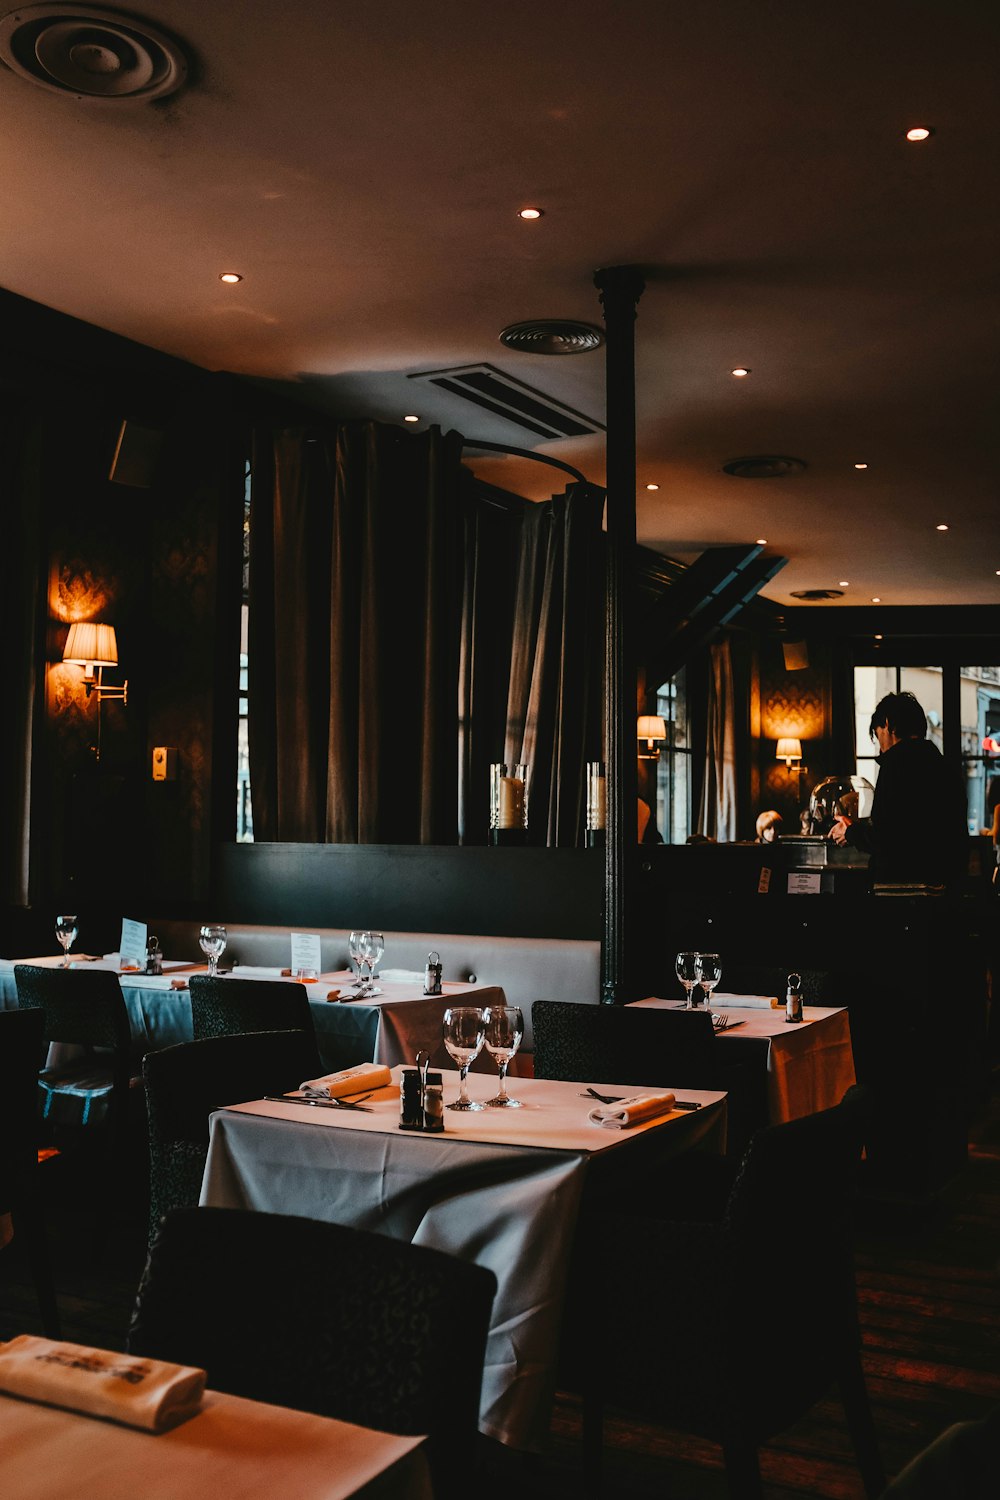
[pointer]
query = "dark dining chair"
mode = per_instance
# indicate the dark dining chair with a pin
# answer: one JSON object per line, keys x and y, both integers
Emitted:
{"x": 324, "y": 1318}
{"x": 221, "y": 1006}
{"x": 632, "y": 1045}
{"x": 732, "y": 1330}
{"x": 21, "y": 1156}
{"x": 186, "y": 1082}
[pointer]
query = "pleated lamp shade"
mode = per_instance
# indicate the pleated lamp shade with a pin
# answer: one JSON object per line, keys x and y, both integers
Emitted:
{"x": 91, "y": 645}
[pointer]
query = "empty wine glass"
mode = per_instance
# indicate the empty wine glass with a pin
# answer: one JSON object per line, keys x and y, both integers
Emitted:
{"x": 463, "y": 1028}
{"x": 709, "y": 974}
{"x": 354, "y": 944}
{"x": 686, "y": 969}
{"x": 371, "y": 948}
{"x": 212, "y": 942}
{"x": 504, "y": 1030}
{"x": 66, "y": 931}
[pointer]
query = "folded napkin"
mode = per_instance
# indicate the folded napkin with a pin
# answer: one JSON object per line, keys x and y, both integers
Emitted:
{"x": 138, "y": 1392}
{"x": 401, "y": 976}
{"x": 347, "y": 1081}
{"x": 259, "y": 971}
{"x": 632, "y": 1111}
{"x": 746, "y": 1002}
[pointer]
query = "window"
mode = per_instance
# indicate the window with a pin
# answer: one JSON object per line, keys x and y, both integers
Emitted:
{"x": 673, "y": 770}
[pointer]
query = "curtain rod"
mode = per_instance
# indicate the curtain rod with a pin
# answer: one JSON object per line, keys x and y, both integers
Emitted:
{"x": 539, "y": 458}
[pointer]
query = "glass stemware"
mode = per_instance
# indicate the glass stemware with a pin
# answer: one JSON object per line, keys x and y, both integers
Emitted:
{"x": 212, "y": 942}
{"x": 354, "y": 944}
{"x": 504, "y": 1030}
{"x": 371, "y": 948}
{"x": 463, "y": 1028}
{"x": 66, "y": 930}
{"x": 687, "y": 971}
{"x": 709, "y": 974}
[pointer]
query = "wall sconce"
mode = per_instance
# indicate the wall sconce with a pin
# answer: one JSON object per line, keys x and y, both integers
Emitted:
{"x": 650, "y": 728}
{"x": 788, "y": 750}
{"x": 94, "y": 647}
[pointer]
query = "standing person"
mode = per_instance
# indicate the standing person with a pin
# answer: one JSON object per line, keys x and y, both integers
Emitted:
{"x": 917, "y": 833}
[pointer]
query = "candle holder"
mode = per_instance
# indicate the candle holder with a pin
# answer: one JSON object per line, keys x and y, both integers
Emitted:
{"x": 508, "y": 804}
{"x": 597, "y": 805}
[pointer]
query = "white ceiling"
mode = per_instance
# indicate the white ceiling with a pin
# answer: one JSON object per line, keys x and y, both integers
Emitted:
{"x": 363, "y": 166}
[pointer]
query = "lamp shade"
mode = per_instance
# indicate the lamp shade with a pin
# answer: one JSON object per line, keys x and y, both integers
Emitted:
{"x": 650, "y": 727}
{"x": 91, "y": 645}
{"x": 788, "y": 750}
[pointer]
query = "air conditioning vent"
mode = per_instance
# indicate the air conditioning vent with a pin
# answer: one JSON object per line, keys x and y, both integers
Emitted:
{"x": 521, "y": 404}
{"x": 91, "y": 54}
{"x": 764, "y": 466}
{"x": 817, "y": 593}
{"x": 552, "y": 336}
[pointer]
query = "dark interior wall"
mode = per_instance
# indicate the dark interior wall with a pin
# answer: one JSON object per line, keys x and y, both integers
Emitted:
{"x": 796, "y": 703}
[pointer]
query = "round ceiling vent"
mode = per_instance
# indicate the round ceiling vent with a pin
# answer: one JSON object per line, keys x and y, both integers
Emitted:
{"x": 817, "y": 593}
{"x": 765, "y": 466}
{"x": 552, "y": 336}
{"x": 91, "y": 54}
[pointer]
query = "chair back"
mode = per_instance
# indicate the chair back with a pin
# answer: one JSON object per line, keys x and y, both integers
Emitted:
{"x": 221, "y": 1006}
{"x": 186, "y": 1082}
{"x": 84, "y": 1006}
{"x": 624, "y": 1044}
{"x": 324, "y": 1318}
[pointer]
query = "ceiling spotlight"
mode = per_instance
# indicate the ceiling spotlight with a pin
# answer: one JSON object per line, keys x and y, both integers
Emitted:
{"x": 878, "y": 637}
{"x": 876, "y": 599}
{"x": 740, "y": 372}
{"x": 941, "y": 527}
{"x": 762, "y": 541}
{"x": 230, "y": 277}
{"x": 411, "y": 419}
{"x": 530, "y": 213}
{"x": 861, "y": 466}
{"x": 919, "y": 133}
{"x": 843, "y": 584}
{"x": 652, "y": 486}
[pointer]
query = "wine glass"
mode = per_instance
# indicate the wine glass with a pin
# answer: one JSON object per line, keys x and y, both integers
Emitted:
{"x": 686, "y": 969}
{"x": 212, "y": 942}
{"x": 354, "y": 944}
{"x": 709, "y": 974}
{"x": 463, "y": 1028}
{"x": 66, "y": 931}
{"x": 376, "y": 947}
{"x": 504, "y": 1030}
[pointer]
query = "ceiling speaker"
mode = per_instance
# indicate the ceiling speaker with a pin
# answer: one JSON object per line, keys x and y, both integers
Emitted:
{"x": 92, "y": 54}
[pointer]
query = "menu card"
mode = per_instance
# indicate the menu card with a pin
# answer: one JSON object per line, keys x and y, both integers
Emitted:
{"x": 305, "y": 953}
{"x": 132, "y": 946}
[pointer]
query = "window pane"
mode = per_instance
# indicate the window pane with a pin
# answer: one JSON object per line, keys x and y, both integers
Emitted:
{"x": 980, "y": 704}
{"x": 673, "y": 771}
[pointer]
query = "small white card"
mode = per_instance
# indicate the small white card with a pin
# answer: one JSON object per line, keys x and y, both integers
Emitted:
{"x": 805, "y": 882}
{"x": 305, "y": 952}
{"x": 132, "y": 946}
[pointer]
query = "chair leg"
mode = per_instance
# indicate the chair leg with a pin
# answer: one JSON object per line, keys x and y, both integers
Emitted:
{"x": 742, "y": 1469}
{"x": 857, "y": 1409}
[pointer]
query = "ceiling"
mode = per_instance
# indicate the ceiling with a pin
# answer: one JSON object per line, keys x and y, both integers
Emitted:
{"x": 363, "y": 166}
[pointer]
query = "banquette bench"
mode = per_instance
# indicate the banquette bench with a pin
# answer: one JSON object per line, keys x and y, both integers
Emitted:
{"x": 528, "y": 969}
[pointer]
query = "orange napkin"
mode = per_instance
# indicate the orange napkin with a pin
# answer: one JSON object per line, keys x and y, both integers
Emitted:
{"x": 146, "y": 1393}
{"x": 632, "y": 1111}
{"x": 348, "y": 1081}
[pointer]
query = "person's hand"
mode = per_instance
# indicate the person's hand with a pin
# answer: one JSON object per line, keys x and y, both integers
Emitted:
{"x": 839, "y": 830}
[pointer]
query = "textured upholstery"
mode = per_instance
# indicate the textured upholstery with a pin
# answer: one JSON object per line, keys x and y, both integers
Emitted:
{"x": 84, "y": 1007}
{"x": 220, "y": 1007}
{"x": 327, "y": 1319}
{"x": 185, "y": 1083}
{"x": 747, "y": 1321}
{"x": 21, "y": 1048}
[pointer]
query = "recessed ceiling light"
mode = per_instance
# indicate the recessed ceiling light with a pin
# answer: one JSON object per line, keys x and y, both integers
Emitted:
{"x": 740, "y": 372}
{"x": 861, "y": 466}
{"x": 919, "y": 133}
{"x": 878, "y": 637}
{"x": 843, "y": 584}
{"x": 231, "y": 277}
{"x": 876, "y": 599}
{"x": 530, "y": 213}
{"x": 762, "y": 541}
{"x": 942, "y": 526}
{"x": 652, "y": 486}
{"x": 411, "y": 419}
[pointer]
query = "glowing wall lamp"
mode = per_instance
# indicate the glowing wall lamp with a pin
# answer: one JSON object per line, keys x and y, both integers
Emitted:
{"x": 650, "y": 728}
{"x": 789, "y": 751}
{"x": 94, "y": 647}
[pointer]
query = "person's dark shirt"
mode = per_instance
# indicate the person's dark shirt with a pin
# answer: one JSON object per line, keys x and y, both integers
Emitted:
{"x": 917, "y": 832}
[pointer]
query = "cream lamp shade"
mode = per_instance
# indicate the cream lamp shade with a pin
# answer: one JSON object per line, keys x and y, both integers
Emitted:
{"x": 89, "y": 645}
{"x": 788, "y": 750}
{"x": 650, "y": 728}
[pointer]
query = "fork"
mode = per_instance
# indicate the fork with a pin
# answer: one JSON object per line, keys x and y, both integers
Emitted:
{"x": 720, "y": 1020}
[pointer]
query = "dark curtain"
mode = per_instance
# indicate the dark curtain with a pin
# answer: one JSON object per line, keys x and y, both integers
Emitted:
{"x": 842, "y": 705}
{"x": 532, "y": 655}
{"x": 717, "y": 810}
{"x": 355, "y": 608}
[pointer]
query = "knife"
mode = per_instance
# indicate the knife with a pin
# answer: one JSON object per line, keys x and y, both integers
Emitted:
{"x": 316, "y": 1103}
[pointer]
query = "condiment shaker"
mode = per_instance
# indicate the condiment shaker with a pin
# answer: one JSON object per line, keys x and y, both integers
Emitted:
{"x": 793, "y": 998}
{"x": 432, "y": 973}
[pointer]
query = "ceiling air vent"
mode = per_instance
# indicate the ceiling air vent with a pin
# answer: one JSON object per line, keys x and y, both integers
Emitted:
{"x": 552, "y": 336}
{"x": 91, "y": 54}
{"x": 764, "y": 466}
{"x": 817, "y": 593}
{"x": 519, "y": 403}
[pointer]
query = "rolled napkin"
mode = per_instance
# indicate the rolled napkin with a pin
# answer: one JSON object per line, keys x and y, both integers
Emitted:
{"x": 147, "y": 1393}
{"x": 632, "y": 1111}
{"x": 747, "y": 1002}
{"x": 347, "y": 1081}
{"x": 401, "y": 976}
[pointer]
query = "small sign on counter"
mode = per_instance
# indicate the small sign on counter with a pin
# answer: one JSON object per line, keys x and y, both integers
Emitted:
{"x": 805, "y": 882}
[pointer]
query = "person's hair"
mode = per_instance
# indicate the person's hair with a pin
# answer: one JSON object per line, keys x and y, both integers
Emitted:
{"x": 767, "y": 820}
{"x": 901, "y": 714}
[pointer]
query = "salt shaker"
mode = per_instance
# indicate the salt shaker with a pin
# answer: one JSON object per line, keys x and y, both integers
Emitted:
{"x": 434, "y": 1102}
{"x": 154, "y": 956}
{"x": 432, "y": 973}
{"x": 793, "y": 998}
{"x": 411, "y": 1110}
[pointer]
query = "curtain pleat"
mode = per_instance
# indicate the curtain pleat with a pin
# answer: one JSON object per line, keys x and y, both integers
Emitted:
{"x": 718, "y": 811}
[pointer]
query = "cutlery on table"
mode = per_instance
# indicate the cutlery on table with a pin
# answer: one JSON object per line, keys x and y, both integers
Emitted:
{"x": 320, "y": 1103}
{"x": 616, "y": 1098}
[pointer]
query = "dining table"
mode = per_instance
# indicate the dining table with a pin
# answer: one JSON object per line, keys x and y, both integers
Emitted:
{"x": 231, "y": 1449}
{"x": 389, "y": 1027}
{"x": 501, "y": 1187}
{"x": 809, "y": 1065}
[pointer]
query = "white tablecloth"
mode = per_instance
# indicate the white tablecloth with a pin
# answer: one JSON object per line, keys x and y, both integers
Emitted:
{"x": 232, "y": 1450}
{"x": 810, "y": 1065}
{"x": 500, "y": 1187}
